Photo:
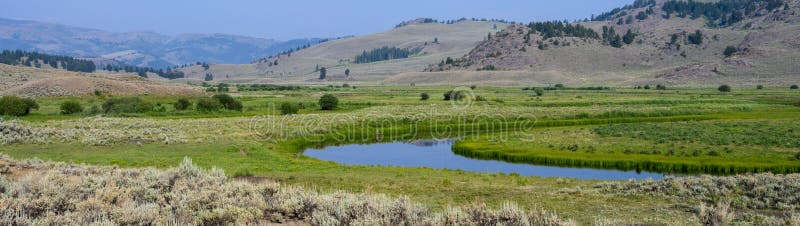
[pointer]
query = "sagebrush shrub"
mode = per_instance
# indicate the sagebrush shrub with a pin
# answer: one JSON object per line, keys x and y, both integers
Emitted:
{"x": 68, "y": 194}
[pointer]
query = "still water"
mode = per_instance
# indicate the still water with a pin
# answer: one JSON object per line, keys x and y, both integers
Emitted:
{"x": 438, "y": 155}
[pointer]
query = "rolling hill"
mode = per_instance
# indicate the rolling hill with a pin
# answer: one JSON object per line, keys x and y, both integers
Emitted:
{"x": 45, "y": 81}
{"x": 434, "y": 42}
{"x": 762, "y": 35}
{"x": 145, "y": 49}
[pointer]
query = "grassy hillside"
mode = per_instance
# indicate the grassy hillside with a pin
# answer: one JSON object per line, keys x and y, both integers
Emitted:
{"x": 37, "y": 82}
{"x": 454, "y": 40}
{"x": 765, "y": 40}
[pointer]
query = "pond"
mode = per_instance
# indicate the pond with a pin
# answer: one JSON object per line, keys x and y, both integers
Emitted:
{"x": 437, "y": 154}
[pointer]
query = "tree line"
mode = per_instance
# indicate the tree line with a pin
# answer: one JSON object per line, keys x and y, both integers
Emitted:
{"x": 169, "y": 73}
{"x": 721, "y": 13}
{"x": 432, "y": 21}
{"x": 621, "y": 11}
{"x": 35, "y": 59}
{"x": 552, "y": 29}
{"x": 385, "y": 53}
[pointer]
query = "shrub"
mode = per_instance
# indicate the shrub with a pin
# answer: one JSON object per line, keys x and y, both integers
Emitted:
{"x": 183, "y": 104}
{"x": 16, "y": 106}
{"x": 289, "y": 109}
{"x": 724, "y": 88}
{"x": 208, "y": 104}
{"x": 473, "y": 87}
{"x": 71, "y": 107}
{"x": 127, "y": 105}
{"x": 539, "y": 91}
{"x": 730, "y": 50}
{"x": 328, "y": 102}
{"x": 424, "y": 96}
{"x": 793, "y": 87}
{"x": 228, "y": 102}
{"x": 30, "y": 104}
{"x": 760, "y": 87}
{"x": 454, "y": 95}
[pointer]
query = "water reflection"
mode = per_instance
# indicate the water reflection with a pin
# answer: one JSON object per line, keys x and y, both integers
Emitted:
{"x": 437, "y": 154}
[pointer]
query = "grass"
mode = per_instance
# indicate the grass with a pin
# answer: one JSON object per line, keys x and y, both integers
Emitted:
{"x": 245, "y": 144}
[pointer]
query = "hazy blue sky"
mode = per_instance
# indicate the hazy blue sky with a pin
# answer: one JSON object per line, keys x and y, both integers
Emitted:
{"x": 287, "y": 19}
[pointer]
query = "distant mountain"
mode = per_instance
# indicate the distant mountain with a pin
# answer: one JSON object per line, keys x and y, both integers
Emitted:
{"x": 139, "y": 48}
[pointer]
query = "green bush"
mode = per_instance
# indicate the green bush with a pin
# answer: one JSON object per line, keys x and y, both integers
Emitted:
{"x": 71, "y": 107}
{"x": 228, "y": 102}
{"x": 15, "y": 106}
{"x": 30, "y": 104}
{"x": 724, "y": 88}
{"x": 760, "y": 87}
{"x": 455, "y": 95}
{"x": 793, "y": 87}
{"x": 208, "y": 104}
{"x": 539, "y": 91}
{"x": 289, "y": 108}
{"x": 424, "y": 96}
{"x": 183, "y": 104}
{"x": 328, "y": 102}
{"x": 127, "y": 105}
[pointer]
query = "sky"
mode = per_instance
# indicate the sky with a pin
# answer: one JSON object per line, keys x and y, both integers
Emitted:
{"x": 287, "y": 19}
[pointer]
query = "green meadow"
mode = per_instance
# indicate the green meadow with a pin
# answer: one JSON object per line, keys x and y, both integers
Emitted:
{"x": 672, "y": 131}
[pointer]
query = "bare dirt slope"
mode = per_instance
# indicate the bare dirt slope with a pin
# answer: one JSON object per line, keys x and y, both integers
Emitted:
{"x": 35, "y": 82}
{"x": 455, "y": 40}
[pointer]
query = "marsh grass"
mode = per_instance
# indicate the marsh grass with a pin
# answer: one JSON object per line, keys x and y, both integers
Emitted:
{"x": 713, "y": 150}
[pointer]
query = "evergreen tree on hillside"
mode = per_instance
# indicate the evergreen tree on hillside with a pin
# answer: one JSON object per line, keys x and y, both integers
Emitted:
{"x": 696, "y": 38}
{"x": 323, "y": 73}
{"x": 628, "y": 37}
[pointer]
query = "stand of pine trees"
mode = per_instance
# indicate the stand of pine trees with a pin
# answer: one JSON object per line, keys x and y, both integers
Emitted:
{"x": 34, "y": 59}
{"x": 142, "y": 71}
{"x": 385, "y": 53}
{"x": 552, "y": 29}
{"x": 722, "y": 13}
{"x": 613, "y": 14}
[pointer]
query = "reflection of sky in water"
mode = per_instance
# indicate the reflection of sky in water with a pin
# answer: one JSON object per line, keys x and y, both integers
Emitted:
{"x": 437, "y": 155}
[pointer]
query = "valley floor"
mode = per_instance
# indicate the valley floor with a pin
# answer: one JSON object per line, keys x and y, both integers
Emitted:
{"x": 682, "y": 130}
